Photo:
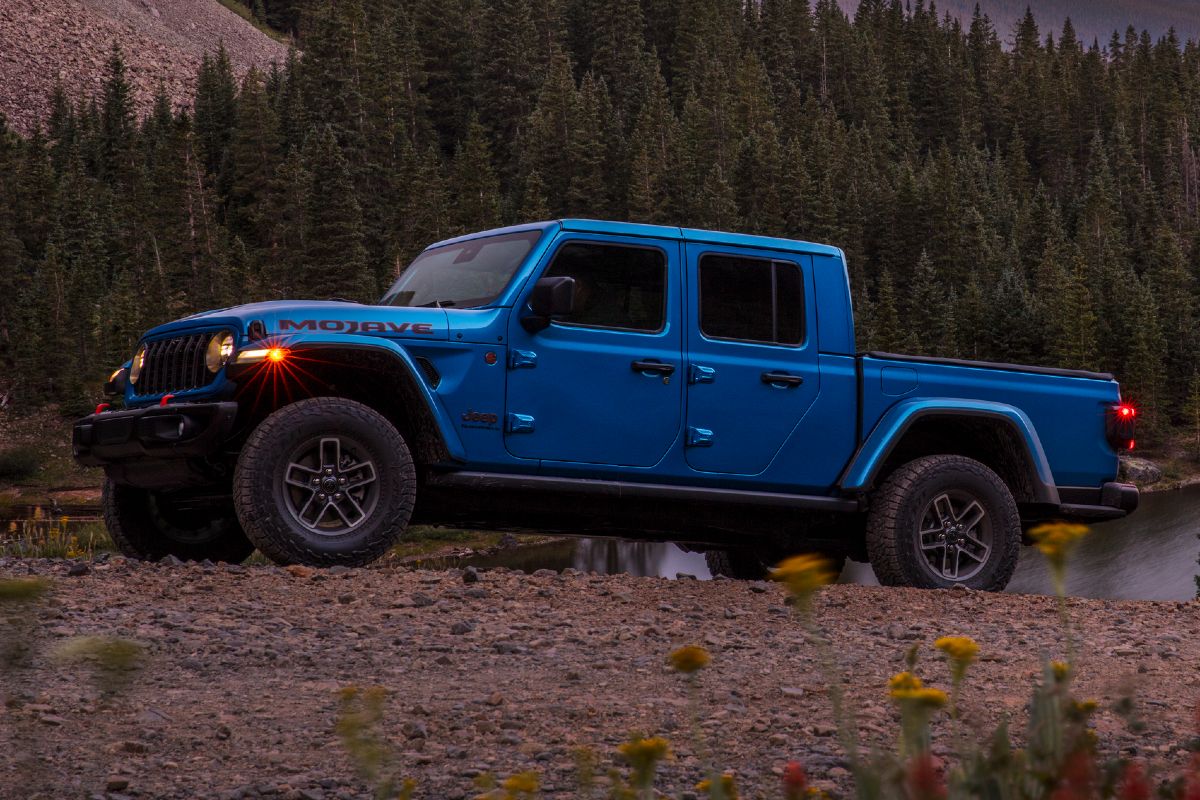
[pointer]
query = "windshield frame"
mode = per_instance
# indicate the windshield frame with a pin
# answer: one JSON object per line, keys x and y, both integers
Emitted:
{"x": 502, "y": 297}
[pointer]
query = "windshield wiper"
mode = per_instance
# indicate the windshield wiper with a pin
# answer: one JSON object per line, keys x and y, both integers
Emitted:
{"x": 437, "y": 304}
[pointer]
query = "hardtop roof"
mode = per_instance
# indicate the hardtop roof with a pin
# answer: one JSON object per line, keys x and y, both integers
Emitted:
{"x": 661, "y": 232}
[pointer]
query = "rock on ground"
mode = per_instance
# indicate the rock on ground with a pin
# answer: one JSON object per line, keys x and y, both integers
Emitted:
{"x": 239, "y": 695}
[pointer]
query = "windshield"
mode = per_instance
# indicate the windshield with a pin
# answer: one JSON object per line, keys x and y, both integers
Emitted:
{"x": 464, "y": 274}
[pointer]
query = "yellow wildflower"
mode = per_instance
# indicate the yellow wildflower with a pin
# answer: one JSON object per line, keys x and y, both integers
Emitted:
{"x": 643, "y": 756}
{"x": 728, "y": 788}
{"x": 1061, "y": 670}
{"x": 643, "y": 751}
{"x": 958, "y": 648}
{"x": 522, "y": 783}
{"x": 689, "y": 659}
{"x": 904, "y": 681}
{"x": 921, "y": 698}
{"x": 962, "y": 652}
{"x": 1055, "y": 540}
{"x": 803, "y": 575}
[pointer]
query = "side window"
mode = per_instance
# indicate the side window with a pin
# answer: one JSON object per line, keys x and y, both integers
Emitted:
{"x": 751, "y": 300}
{"x": 616, "y": 286}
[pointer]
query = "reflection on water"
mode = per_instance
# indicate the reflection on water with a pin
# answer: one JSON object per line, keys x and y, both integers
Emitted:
{"x": 605, "y": 556}
{"x": 1148, "y": 556}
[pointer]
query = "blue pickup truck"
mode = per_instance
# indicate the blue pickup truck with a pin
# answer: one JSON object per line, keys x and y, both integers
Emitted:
{"x": 593, "y": 377}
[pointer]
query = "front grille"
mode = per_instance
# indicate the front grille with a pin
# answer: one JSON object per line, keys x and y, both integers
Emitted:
{"x": 175, "y": 365}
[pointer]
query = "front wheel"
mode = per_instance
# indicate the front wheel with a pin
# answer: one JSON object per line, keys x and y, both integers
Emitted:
{"x": 943, "y": 520}
{"x": 150, "y": 525}
{"x": 323, "y": 482}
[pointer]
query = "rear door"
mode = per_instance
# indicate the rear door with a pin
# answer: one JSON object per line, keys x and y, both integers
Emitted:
{"x": 603, "y": 386}
{"x": 752, "y": 355}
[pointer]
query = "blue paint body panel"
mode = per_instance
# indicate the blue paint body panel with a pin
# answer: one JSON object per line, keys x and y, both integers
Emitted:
{"x": 564, "y": 401}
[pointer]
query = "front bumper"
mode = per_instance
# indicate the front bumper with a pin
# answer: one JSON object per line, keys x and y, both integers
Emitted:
{"x": 1111, "y": 501}
{"x": 180, "y": 430}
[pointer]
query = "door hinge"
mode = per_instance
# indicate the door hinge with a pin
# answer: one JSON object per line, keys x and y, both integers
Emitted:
{"x": 699, "y": 374}
{"x": 699, "y": 437}
{"x": 522, "y": 359}
{"x": 518, "y": 423}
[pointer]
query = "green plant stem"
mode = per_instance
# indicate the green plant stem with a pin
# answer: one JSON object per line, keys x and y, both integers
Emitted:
{"x": 700, "y": 742}
{"x": 828, "y": 664}
{"x": 1060, "y": 588}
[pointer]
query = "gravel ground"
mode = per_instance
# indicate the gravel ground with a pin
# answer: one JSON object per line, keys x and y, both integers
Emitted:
{"x": 238, "y": 697}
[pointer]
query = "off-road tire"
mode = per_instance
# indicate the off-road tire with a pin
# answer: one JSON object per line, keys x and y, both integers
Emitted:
{"x": 145, "y": 525}
{"x": 752, "y": 564}
{"x": 893, "y": 524}
{"x": 258, "y": 484}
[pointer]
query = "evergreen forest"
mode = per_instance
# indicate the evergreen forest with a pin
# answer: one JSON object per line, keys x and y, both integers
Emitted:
{"x": 1002, "y": 190}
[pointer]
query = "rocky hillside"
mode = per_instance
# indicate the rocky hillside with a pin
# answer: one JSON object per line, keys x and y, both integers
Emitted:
{"x": 45, "y": 41}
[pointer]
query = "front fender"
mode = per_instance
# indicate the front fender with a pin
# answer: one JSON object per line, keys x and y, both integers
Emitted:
{"x": 312, "y": 343}
{"x": 863, "y": 470}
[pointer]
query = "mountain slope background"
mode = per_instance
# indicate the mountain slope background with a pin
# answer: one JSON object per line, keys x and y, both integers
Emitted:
{"x": 1093, "y": 19}
{"x": 69, "y": 41}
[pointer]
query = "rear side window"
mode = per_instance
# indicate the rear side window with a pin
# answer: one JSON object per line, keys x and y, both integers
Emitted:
{"x": 616, "y": 286}
{"x": 751, "y": 300}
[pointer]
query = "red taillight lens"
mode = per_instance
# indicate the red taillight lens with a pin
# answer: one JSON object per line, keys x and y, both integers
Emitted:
{"x": 1119, "y": 427}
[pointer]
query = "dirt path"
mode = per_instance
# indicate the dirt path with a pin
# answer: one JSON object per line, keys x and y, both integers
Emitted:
{"x": 239, "y": 694}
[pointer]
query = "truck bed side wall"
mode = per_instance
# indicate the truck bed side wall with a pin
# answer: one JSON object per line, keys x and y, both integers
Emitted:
{"x": 1068, "y": 414}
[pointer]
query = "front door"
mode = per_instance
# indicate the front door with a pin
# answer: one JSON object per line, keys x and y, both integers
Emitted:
{"x": 752, "y": 355}
{"x": 605, "y": 384}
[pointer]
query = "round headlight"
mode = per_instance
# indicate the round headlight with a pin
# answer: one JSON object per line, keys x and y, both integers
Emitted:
{"x": 139, "y": 361}
{"x": 220, "y": 348}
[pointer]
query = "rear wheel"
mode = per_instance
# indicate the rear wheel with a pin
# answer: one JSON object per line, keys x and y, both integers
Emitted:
{"x": 944, "y": 520}
{"x": 325, "y": 481}
{"x": 150, "y": 525}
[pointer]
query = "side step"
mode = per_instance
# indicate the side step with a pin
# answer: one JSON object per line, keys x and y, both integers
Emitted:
{"x": 627, "y": 489}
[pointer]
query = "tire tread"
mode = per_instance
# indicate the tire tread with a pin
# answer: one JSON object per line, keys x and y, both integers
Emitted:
{"x": 262, "y": 523}
{"x": 889, "y": 503}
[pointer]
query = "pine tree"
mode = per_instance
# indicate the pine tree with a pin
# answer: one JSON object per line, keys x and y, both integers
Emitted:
{"x": 254, "y": 157}
{"x": 887, "y": 334}
{"x": 334, "y": 256}
{"x": 1191, "y": 412}
{"x": 117, "y": 123}
{"x": 1143, "y": 371}
{"x": 477, "y": 204}
{"x": 215, "y": 108}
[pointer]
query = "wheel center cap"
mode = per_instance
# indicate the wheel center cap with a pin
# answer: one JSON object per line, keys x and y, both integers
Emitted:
{"x": 329, "y": 484}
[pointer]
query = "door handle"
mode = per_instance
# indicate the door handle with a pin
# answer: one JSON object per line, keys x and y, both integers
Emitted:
{"x": 653, "y": 367}
{"x": 782, "y": 379}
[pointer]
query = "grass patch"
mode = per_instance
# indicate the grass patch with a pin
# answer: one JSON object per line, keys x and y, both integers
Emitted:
{"x": 423, "y": 540}
{"x": 19, "y": 463}
{"x": 44, "y": 537}
{"x": 243, "y": 11}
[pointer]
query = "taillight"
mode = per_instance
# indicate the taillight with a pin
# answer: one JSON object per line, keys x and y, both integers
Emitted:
{"x": 1119, "y": 427}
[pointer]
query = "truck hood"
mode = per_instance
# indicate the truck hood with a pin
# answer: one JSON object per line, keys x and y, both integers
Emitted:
{"x": 289, "y": 317}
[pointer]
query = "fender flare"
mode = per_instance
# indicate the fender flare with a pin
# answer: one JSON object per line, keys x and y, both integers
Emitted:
{"x": 863, "y": 470}
{"x": 402, "y": 360}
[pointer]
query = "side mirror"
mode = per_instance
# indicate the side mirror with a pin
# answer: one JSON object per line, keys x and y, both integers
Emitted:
{"x": 552, "y": 298}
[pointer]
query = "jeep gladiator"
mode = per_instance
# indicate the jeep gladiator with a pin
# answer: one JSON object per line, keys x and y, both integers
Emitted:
{"x": 594, "y": 377}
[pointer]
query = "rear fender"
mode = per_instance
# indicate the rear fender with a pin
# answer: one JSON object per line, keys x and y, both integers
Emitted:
{"x": 864, "y": 469}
